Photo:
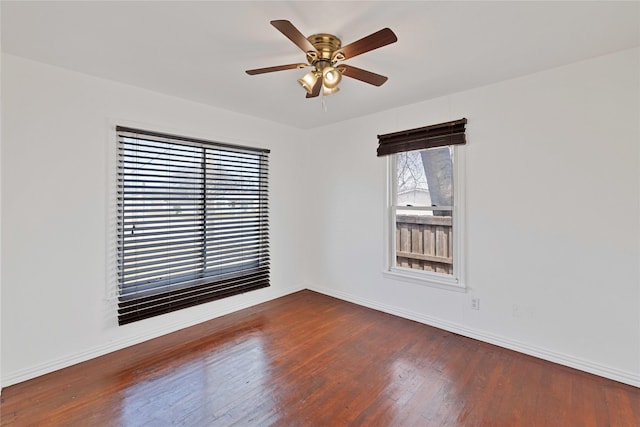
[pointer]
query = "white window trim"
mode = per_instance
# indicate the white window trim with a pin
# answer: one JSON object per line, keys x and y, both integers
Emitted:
{"x": 442, "y": 281}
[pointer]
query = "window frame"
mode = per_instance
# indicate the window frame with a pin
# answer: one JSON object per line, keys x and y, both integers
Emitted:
{"x": 455, "y": 281}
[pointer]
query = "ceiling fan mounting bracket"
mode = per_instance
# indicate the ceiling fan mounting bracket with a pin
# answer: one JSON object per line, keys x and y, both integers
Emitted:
{"x": 326, "y": 45}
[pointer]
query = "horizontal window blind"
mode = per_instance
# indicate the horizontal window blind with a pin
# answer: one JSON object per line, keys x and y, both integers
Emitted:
{"x": 192, "y": 222}
{"x": 440, "y": 135}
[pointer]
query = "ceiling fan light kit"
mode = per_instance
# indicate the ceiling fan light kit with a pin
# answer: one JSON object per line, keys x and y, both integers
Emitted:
{"x": 323, "y": 52}
{"x": 331, "y": 77}
{"x": 308, "y": 81}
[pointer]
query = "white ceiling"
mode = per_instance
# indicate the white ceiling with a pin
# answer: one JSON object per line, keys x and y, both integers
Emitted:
{"x": 199, "y": 50}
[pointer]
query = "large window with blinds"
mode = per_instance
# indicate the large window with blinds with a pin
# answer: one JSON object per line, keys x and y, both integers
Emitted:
{"x": 426, "y": 203}
{"x": 192, "y": 223}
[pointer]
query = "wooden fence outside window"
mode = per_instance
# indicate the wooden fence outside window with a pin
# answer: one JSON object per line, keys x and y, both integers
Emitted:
{"x": 424, "y": 243}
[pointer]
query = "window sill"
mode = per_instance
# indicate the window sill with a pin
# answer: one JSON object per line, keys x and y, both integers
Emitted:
{"x": 433, "y": 280}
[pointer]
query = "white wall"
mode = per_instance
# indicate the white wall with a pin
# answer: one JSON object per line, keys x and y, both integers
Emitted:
{"x": 556, "y": 273}
{"x": 55, "y": 148}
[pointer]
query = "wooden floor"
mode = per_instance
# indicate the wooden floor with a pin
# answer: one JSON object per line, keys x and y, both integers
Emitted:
{"x": 310, "y": 360}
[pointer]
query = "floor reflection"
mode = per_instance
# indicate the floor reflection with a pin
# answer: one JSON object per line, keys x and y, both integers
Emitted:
{"x": 198, "y": 389}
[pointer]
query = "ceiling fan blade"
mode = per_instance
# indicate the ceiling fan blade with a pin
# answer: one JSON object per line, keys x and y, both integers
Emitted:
{"x": 315, "y": 91}
{"x": 368, "y": 43}
{"x": 293, "y": 34}
{"x": 362, "y": 75}
{"x": 276, "y": 68}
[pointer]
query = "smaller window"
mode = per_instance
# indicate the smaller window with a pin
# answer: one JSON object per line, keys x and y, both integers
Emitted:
{"x": 425, "y": 210}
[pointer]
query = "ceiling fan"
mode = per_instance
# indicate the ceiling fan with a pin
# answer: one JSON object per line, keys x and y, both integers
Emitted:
{"x": 324, "y": 51}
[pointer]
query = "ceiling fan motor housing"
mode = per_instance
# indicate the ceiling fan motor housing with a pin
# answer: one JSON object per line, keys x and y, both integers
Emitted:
{"x": 326, "y": 45}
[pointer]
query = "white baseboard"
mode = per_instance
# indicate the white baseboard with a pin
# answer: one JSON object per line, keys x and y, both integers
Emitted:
{"x": 44, "y": 368}
{"x": 521, "y": 347}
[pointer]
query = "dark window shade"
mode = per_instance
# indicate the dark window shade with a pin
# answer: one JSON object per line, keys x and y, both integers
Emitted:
{"x": 449, "y": 133}
{"x": 192, "y": 222}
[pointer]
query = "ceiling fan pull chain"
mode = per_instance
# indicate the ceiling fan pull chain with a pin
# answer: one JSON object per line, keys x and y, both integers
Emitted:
{"x": 324, "y": 104}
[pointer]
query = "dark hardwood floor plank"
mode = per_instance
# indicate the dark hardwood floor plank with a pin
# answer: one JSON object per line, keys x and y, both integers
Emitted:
{"x": 311, "y": 360}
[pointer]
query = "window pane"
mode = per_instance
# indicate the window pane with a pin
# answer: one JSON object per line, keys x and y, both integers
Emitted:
{"x": 424, "y": 228}
{"x": 424, "y": 242}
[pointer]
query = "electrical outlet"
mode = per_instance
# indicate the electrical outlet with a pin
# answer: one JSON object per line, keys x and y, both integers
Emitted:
{"x": 475, "y": 303}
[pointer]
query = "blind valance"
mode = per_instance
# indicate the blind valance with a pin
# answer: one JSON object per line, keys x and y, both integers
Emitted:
{"x": 448, "y": 133}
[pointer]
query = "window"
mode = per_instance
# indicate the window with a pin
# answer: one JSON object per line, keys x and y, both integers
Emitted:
{"x": 192, "y": 222}
{"x": 425, "y": 203}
